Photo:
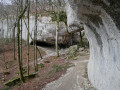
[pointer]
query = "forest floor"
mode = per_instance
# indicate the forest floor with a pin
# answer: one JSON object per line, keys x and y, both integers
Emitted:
{"x": 54, "y": 73}
{"x": 50, "y": 67}
{"x": 76, "y": 77}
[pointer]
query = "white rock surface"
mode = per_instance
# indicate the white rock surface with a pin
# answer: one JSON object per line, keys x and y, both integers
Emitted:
{"x": 103, "y": 33}
{"x": 46, "y": 30}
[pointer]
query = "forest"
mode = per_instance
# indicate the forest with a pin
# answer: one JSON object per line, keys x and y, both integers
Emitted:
{"x": 59, "y": 44}
{"x": 36, "y": 46}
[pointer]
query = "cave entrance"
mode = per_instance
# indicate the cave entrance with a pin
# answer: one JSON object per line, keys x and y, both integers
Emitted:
{"x": 77, "y": 38}
{"x": 80, "y": 39}
{"x": 49, "y": 45}
{"x": 43, "y": 44}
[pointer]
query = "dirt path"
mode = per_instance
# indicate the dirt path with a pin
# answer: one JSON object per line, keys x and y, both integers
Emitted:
{"x": 50, "y": 52}
{"x": 74, "y": 79}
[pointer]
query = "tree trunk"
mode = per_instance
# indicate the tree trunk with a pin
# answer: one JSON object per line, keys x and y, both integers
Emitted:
{"x": 2, "y": 31}
{"x": 21, "y": 42}
{"x": 81, "y": 39}
{"x": 14, "y": 42}
{"x": 28, "y": 41}
{"x": 21, "y": 35}
{"x": 71, "y": 39}
{"x": 36, "y": 37}
{"x": 5, "y": 67}
{"x": 15, "y": 24}
{"x": 7, "y": 28}
{"x": 18, "y": 42}
{"x": 57, "y": 27}
{"x": 4, "y": 59}
{"x": 34, "y": 52}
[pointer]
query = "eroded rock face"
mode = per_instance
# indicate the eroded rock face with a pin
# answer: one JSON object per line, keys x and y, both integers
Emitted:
{"x": 46, "y": 31}
{"x": 101, "y": 21}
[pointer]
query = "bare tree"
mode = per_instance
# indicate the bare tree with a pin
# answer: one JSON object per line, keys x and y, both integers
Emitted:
{"x": 28, "y": 39}
{"x": 81, "y": 38}
{"x": 57, "y": 10}
{"x": 57, "y": 29}
{"x": 18, "y": 41}
{"x": 21, "y": 30}
{"x": 14, "y": 58}
{"x": 36, "y": 36}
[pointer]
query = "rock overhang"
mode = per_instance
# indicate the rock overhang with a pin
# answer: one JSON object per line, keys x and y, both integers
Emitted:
{"x": 101, "y": 21}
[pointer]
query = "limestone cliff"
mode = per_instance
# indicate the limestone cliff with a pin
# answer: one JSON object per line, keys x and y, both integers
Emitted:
{"x": 46, "y": 30}
{"x": 101, "y": 22}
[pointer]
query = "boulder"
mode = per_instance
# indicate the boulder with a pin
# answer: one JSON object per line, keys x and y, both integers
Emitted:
{"x": 72, "y": 50}
{"x": 81, "y": 49}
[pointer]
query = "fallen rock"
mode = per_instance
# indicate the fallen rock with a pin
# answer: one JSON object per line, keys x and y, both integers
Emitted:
{"x": 81, "y": 49}
{"x": 72, "y": 50}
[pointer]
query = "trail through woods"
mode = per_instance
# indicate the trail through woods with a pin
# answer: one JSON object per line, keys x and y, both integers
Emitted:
{"x": 74, "y": 79}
